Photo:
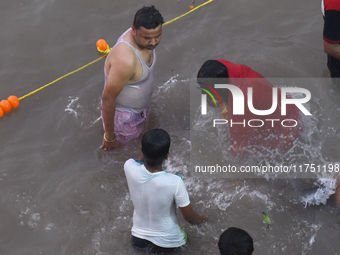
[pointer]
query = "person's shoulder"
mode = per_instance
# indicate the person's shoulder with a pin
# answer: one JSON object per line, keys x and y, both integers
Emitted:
{"x": 176, "y": 177}
{"x": 121, "y": 48}
{"x": 132, "y": 162}
{"x": 121, "y": 54}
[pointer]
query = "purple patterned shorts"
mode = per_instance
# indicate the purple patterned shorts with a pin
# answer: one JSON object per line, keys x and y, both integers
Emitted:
{"x": 128, "y": 125}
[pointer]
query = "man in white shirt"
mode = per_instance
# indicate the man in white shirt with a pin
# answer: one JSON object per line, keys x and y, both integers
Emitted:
{"x": 155, "y": 195}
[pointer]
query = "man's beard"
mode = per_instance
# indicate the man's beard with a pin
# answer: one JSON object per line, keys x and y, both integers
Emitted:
{"x": 151, "y": 47}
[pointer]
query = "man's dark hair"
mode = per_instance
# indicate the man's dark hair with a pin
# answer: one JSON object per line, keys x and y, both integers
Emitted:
{"x": 235, "y": 241}
{"x": 155, "y": 146}
{"x": 213, "y": 69}
{"x": 148, "y": 17}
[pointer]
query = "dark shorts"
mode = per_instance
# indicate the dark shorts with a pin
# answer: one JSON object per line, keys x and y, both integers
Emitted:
{"x": 149, "y": 247}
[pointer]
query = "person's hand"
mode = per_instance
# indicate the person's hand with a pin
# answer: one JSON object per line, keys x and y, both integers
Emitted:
{"x": 204, "y": 218}
{"x": 224, "y": 111}
{"x": 109, "y": 142}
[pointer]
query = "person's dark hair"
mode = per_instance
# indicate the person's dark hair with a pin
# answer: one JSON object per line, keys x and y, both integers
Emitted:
{"x": 235, "y": 241}
{"x": 148, "y": 17}
{"x": 155, "y": 146}
{"x": 213, "y": 69}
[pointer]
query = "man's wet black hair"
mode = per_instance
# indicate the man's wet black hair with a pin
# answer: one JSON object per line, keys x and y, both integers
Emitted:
{"x": 148, "y": 17}
{"x": 213, "y": 69}
{"x": 235, "y": 241}
{"x": 155, "y": 146}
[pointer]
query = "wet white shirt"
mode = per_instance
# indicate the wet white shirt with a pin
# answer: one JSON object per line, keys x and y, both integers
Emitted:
{"x": 155, "y": 196}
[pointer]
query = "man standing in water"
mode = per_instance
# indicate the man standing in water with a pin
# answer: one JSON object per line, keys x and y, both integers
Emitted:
{"x": 331, "y": 45}
{"x": 155, "y": 195}
{"x": 331, "y": 36}
{"x": 129, "y": 78}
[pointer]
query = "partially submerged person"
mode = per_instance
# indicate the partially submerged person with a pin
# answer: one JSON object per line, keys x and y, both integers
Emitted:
{"x": 235, "y": 241}
{"x": 272, "y": 134}
{"x": 331, "y": 36}
{"x": 331, "y": 45}
{"x": 155, "y": 195}
{"x": 129, "y": 78}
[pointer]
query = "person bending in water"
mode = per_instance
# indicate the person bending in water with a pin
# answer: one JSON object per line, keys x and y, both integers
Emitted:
{"x": 129, "y": 78}
{"x": 265, "y": 134}
{"x": 235, "y": 241}
{"x": 155, "y": 194}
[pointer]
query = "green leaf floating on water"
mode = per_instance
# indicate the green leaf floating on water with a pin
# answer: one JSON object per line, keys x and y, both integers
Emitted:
{"x": 266, "y": 218}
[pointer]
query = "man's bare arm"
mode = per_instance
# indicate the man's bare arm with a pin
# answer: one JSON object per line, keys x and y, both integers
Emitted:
{"x": 332, "y": 49}
{"x": 191, "y": 216}
{"x": 121, "y": 67}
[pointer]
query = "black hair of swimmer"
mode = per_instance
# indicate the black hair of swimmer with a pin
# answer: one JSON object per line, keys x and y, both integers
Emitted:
{"x": 235, "y": 241}
{"x": 213, "y": 69}
{"x": 155, "y": 146}
{"x": 148, "y": 17}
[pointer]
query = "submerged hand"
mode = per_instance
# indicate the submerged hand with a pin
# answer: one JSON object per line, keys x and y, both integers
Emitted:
{"x": 204, "y": 218}
{"x": 109, "y": 143}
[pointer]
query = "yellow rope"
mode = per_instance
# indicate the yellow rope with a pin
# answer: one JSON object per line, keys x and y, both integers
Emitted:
{"x": 105, "y": 54}
{"x": 166, "y": 23}
{"x": 62, "y": 77}
{"x": 105, "y": 51}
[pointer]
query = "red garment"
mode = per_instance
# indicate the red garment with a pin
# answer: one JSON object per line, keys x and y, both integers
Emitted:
{"x": 265, "y": 136}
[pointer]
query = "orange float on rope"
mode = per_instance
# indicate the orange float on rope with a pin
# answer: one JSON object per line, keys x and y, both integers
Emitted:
{"x": 102, "y": 45}
{"x": 14, "y": 101}
{"x": 1, "y": 112}
{"x": 5, "y": 105}
{"x": 191, "y": 7}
